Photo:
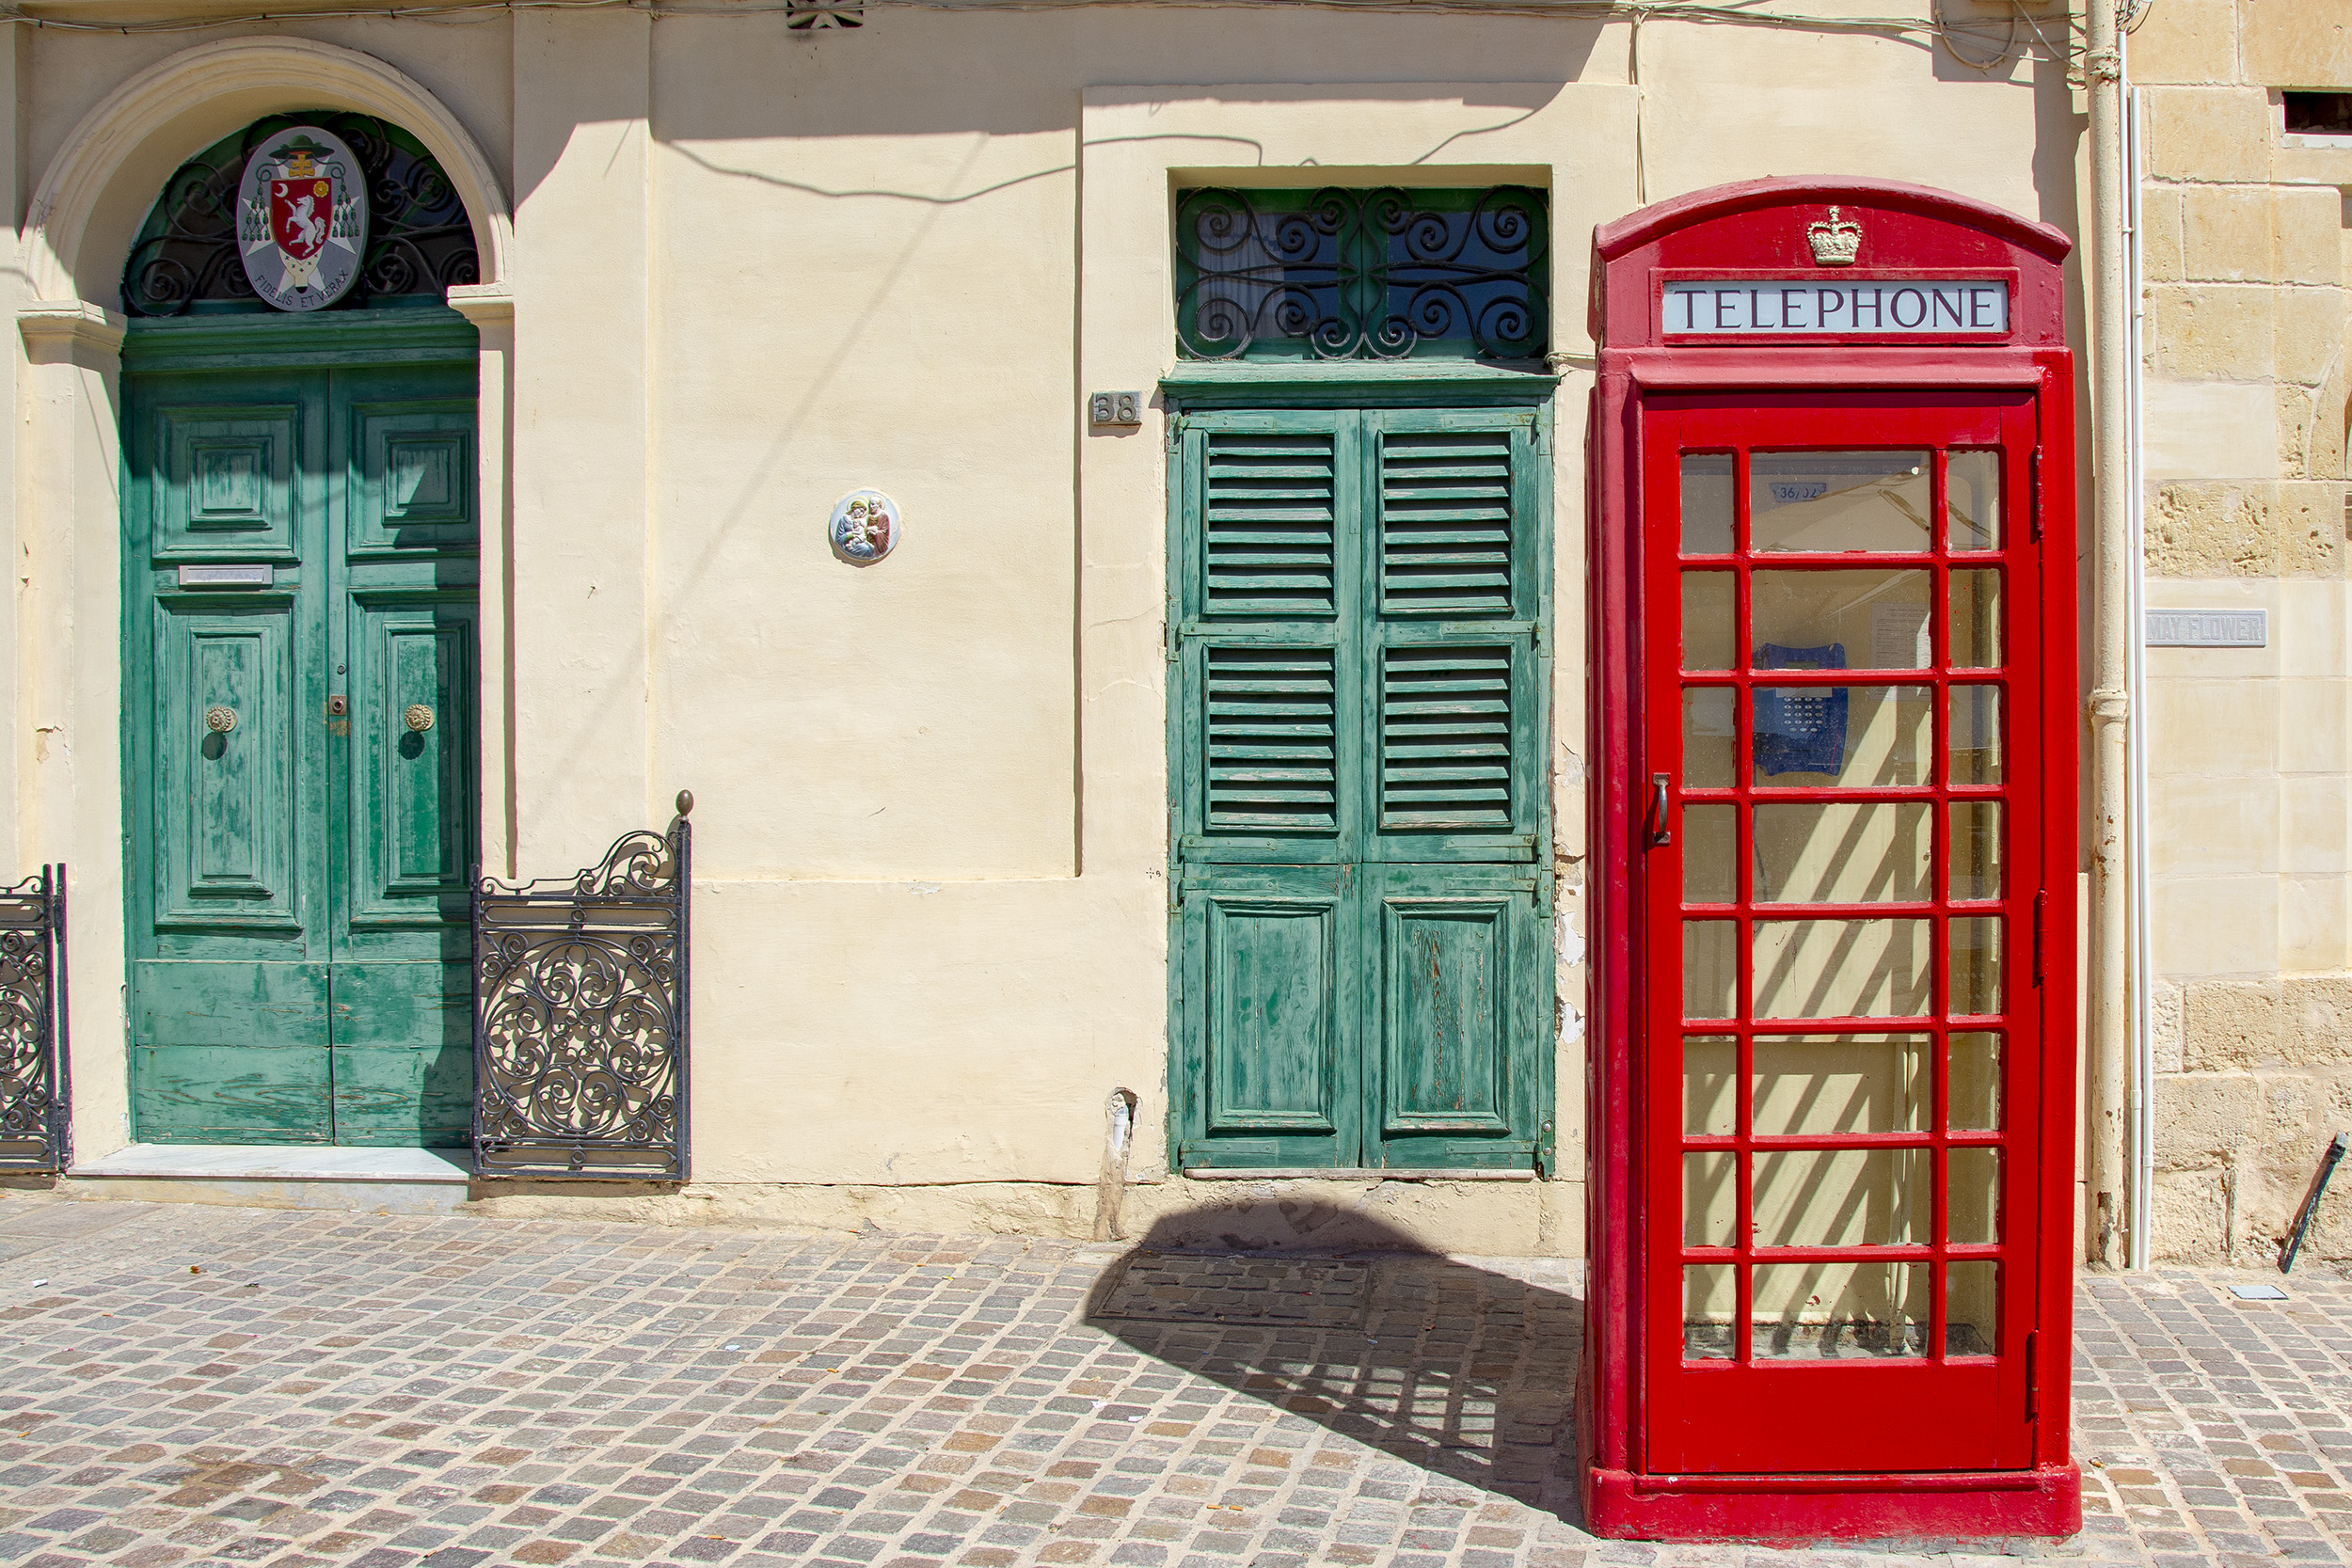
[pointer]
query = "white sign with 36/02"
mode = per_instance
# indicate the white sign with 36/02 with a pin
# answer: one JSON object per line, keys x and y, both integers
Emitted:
{"x": 1747, "y": 306}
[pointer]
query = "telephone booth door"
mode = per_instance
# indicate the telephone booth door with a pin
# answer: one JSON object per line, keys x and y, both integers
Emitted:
{"x": 1843, "y": 862}
{"x": 1830, "y": 1118}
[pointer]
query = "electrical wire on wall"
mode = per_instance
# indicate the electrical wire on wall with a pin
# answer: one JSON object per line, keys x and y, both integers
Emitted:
{"x": 2003, "y": 38}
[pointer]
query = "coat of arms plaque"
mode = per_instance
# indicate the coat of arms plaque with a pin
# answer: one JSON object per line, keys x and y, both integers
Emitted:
{"x": 302, "y": 219}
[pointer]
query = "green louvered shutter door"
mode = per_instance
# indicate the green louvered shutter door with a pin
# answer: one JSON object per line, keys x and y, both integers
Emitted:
{"x": 1456, "y": 972}
{"x": 1262, "y": 608}
{"x": 1361, "y": 975}
{"x": 1264, "y": 599}
{"x": 1449, "y": 635}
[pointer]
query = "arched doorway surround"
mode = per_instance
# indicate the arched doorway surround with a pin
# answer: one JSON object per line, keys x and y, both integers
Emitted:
{"x": 63, "y": 782}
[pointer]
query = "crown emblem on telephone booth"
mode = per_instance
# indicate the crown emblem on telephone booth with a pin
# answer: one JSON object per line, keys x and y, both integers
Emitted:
{"x": 1835, "y": 244}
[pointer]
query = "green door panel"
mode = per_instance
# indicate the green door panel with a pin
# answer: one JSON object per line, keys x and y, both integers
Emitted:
{"x": 413, "y": 478}
{"x": 404, "y": 1098}
{"x": 403, "y": 1053}
{"x": 185, "y": 1001}
{"x": 230, "y": 1094}
{"x": 1273, "y": 1008}
{"x": 227, "y": 488}
{"x": 428, "y": 1005}
{"x": 412, "y": 688}
{"x": 228, "y": 1053}
{"x": 1270, "y": 986}
{"x": 225, "y": 749}
{"x": 1445, "y": 973}
{"x": 301, "y": 963}
{"x": 1356, "y": 744}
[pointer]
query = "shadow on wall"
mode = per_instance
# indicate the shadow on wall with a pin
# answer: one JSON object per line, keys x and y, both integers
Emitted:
{"x": 1467, "y": 1371}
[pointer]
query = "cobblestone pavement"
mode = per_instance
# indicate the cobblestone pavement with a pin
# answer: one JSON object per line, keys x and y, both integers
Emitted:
{"x": 182, "y": 1385}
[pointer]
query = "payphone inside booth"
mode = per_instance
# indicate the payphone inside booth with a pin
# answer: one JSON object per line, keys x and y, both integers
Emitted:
{"x": 1830, "y": 1102}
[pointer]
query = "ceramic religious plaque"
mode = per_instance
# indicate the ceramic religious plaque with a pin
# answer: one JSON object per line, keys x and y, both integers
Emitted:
{"x": 864, "y": 527}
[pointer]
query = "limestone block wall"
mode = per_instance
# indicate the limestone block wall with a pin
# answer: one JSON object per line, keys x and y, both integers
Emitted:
{"x": 2245, "y": 365}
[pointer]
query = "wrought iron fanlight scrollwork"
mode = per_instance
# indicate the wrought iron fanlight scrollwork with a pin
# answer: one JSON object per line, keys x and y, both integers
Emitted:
{"x": 819, "y": 16}
{"x": 419, "y": 238}
{"x": 1384, "y": 274}
{"x": 580, "y": 1016}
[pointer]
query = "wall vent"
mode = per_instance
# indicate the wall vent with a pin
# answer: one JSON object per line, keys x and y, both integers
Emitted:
{"x": 2319, "y": 114}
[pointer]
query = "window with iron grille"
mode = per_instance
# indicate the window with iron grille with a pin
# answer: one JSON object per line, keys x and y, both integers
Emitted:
{"x": 1380, "y": 274}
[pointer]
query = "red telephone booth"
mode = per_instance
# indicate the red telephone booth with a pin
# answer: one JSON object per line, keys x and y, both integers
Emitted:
{"x": 1831, "y": 1104}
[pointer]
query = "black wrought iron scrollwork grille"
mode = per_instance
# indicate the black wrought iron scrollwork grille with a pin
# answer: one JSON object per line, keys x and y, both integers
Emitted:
{"x": 419, "y": 239}
{"x": 36, "y": 1102}
{"x": 581, "y": 993}
{"x": 1385, "y": 273}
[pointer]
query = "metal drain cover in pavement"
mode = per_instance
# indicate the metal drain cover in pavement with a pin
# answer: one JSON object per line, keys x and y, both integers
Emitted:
{"x": 1164, "y": 1287}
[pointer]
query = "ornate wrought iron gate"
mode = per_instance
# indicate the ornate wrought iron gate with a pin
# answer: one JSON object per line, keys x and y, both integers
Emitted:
{"x": 36, "y": 1125}
{"x": 580, "y": 1016}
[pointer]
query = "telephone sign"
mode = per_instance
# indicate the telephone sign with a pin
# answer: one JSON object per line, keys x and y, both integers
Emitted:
{"x": 1753, "y": 307}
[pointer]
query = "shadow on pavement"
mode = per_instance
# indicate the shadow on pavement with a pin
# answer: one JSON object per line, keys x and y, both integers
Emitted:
{"x": 1467, "y": 1371}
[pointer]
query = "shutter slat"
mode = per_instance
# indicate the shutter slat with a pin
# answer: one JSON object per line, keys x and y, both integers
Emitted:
{"x": 1271, "y": 749}
{"x": 1445, "y": 739}
{"x": 1445, "y": 522}
{"x": 1268, "y": 531}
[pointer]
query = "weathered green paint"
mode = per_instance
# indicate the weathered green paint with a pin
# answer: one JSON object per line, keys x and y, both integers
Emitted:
{"x": 1356, "y": 725}
{"x": 215, "y": 1094}
{"x": 300, "y": 959}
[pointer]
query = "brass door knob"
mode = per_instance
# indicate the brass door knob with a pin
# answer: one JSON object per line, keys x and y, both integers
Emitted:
{"x": 220, "y": 721}
{"x": 419, "y": 718}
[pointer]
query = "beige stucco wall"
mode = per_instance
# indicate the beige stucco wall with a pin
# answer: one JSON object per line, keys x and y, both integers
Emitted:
{"x": 751, "y": 271}
{"x": 2249, "y": 750}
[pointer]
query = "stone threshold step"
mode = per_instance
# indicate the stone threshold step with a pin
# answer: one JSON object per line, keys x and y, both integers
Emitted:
{"x": 277, "y": 1163}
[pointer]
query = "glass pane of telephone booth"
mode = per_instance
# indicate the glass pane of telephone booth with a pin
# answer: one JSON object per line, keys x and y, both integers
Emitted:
{"x": 1847, "y": 619}
{"x": 1842, "y": 736}
{"x": 1708, "y": 630}
{"x": 1711, "y": 854}
{"x": 1707, "y": 503}
{"x": 1976, "y": 850}
{"x": 1841, "y": 968}
{"x": 1828, "y": 1311}
{"x": 1828, "y": 502}
{"x": 1840, "y": 1197}
{"x": 1710, "y": 1198}
{"x": 1971, "y": 1307}
{"x": 1976, "y": 1092}
{"x": 1972, "y": 501}
{"x": 1976, "y": 621}
{"x": 1711, "y": 1083}
{"x": 1708, "y": 715}
{"x": 1842, "y": 1084}
{"x": 1842, "y": 852}
{"x": 1709, "y": 1300}
{"x": 1711, "y": 968}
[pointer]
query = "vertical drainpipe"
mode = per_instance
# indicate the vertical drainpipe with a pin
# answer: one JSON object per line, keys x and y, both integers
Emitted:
{"x": 2143, "y": 1107}
{"x": 2110, "y": 699}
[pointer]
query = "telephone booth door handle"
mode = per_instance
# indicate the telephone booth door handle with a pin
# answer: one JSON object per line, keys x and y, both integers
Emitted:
{"x": 1660, "y": 831}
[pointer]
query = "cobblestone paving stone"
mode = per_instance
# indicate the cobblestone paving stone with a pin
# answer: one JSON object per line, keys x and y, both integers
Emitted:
{"x": 190, "y": 1386}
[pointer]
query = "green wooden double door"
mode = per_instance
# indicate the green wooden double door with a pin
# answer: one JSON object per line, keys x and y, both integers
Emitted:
{"x": 1357, "y": 722}
{"x": 300, "y": 680}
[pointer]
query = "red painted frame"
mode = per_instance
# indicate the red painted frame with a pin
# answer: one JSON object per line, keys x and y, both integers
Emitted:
{"x": 1633, "y": 1483}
